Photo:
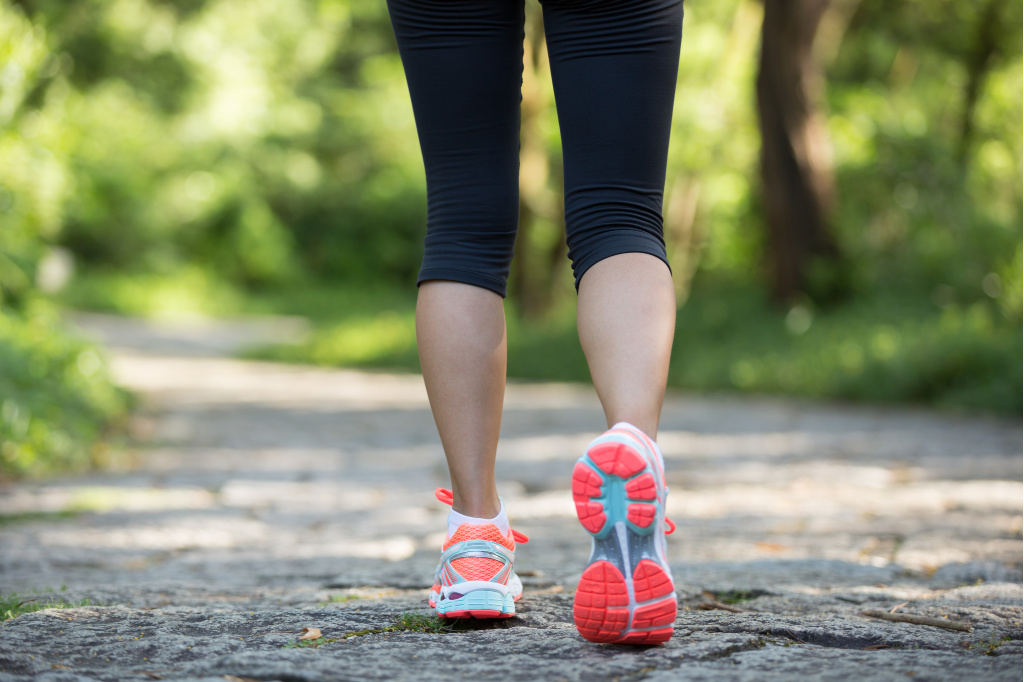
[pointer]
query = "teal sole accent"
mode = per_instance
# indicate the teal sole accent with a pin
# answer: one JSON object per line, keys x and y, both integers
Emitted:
{"x": 615, "y": 500}
{"x": 478, "y": 600}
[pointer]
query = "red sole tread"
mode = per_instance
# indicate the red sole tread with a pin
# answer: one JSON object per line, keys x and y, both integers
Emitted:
{"x": 616, "y": 459}
{"x": 601, "y": 607}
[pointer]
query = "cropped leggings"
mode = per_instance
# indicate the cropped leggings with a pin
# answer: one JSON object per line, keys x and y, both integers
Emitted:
{"x": 613, "y": 66}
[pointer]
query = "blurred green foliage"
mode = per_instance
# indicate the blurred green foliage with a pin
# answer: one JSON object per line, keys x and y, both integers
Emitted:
{"x": 884, "y": 349}
{"x": 260, "y": 140}
{"x": 56, "y": 398}
{"x": 269, "y": 141}
{"x": 224, "y": 156}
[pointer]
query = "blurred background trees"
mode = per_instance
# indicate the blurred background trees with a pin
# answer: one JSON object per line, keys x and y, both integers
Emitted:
{"x": 843, "y": 205}
{"x": 798, "y": 188}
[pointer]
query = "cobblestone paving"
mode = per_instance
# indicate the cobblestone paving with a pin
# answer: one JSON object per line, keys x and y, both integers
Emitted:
{"x": 259, "y": 499}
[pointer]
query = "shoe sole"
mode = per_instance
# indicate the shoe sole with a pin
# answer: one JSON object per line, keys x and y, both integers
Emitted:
{"x": 482, "y": 604}
{"x": 625, "y": 595}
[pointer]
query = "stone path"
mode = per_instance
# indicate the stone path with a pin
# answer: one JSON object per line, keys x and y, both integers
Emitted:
{"x": 260, "y": 499}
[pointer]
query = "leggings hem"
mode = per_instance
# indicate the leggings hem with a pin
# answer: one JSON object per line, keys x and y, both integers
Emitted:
{"x": 498, "y": 286}
{"x": 651, "y": 249}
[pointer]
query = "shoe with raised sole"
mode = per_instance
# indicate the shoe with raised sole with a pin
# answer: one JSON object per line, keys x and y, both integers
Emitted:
{"x": 476, "y": 576}
{"x": 626, "y": 594}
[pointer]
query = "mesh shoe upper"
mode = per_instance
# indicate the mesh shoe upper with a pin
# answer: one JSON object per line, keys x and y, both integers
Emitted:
{"x": 478, "y": 557}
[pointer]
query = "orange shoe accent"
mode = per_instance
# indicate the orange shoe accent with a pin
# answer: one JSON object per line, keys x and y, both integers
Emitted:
{"x": 487, "y": 531}
{"x": 616, "y": 459}
{"x": 601, "y": 589}
{"x": 650, "y": 581}
{"x": 647, "y": 637}
{"x": 640, "y": 514}
{"x": 444, "y": 496}
{"x": 661, "y": 613}
{"x": 591, "y": 515}
{"x": 641, "y": 488}
{"x": 585, "y": 483}
{"x": 477, "y": 568}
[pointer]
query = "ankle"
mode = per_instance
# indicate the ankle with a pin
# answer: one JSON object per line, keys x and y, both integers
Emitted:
{"x": 482, "y": 505}
{"x": 477, "y": 511}
{"x": 498, "y": 519}
{"x": 648, "y": 428}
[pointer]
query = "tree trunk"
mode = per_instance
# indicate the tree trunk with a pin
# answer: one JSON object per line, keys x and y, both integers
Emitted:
{"x": 978, "y": 64}
{"x": 682, "y": 233}
{"x": 796, "y": 171}
{"x": 539, "y": 255}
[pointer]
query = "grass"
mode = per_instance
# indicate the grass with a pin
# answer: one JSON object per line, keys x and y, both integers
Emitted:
{"x": 407, "y": 622}
{"x": 28, "y": 517}
{"x": 417, "y": 623}
{"x": 13, "y": 605}
{"x": 341, "y": 599}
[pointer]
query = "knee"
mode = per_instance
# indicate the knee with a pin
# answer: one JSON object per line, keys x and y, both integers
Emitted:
{"x": 606, "y": 223}
{"x": 471, "y": 238}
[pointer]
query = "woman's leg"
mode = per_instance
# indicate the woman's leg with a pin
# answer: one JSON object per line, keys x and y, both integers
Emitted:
{"x": 626, "y": 317}
{"x": 463, "y": 62}
{"x": 614, "y": 65}
{"x": 460, "y": 330}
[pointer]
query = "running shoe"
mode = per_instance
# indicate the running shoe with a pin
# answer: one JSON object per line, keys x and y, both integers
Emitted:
{"x": 475, "y": 578}
{"x": 626, "y": 594}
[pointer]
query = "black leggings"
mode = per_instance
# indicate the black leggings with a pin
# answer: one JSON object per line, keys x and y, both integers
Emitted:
{"x": 613, "y": 65}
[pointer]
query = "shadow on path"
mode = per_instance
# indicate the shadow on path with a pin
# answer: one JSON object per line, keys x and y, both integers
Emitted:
{"x": 265, "y": 498}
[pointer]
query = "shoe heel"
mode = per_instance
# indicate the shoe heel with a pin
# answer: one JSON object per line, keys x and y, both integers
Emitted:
{"x": 482, "y": 604}
{"x": 612, "y": 479}
{"x": 625, "y": 595}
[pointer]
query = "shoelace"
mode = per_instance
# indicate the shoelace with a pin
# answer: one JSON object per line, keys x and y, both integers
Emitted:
{"x": 445, "y": 496}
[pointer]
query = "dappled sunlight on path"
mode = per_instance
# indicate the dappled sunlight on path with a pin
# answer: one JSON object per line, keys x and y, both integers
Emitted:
{"x": 256, "y": 499}
{"x": 286, "y": 463}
